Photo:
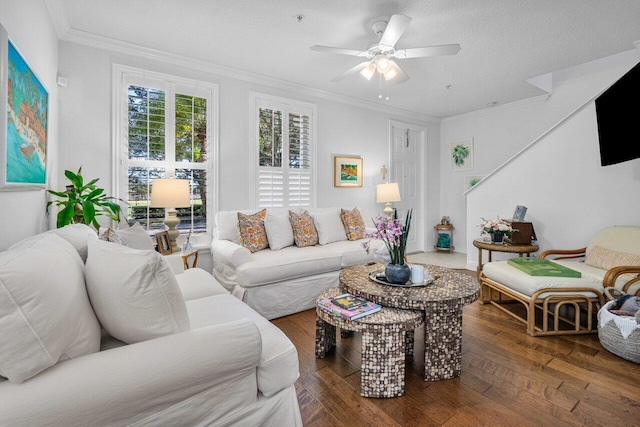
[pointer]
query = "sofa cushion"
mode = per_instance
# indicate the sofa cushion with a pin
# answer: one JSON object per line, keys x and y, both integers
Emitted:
{"x": 136, "y": 237}
{"x": 45, "y": 314}
{"x": 617, "y": 238}
{"x": 304, "y": 231}
{"x": 279, "y": 231}
{"x": 226, "y": 222}
{"x": 110, "y": 235}
{"x": 197, "y": 283}
{"x": 77, "y": 235}
{"x": 134, "y": 293}
{"x": 353, "y": 223}
{"x": 502, "y": 272}
{"x": 606, "y": 258}
{"x": 251, "y": 232}
{"x": 329, "y": 227}
{"x": 352, "y": 253}
{"x": 275, "y": 266}
{"x": 278, "y": 367}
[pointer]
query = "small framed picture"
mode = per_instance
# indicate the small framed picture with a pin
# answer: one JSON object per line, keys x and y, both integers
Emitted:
{"x": 347, "y": 171}
{"x": 519, "y": 213}
{"x": 162, "y": 239}
{"x": 461, "y": 155}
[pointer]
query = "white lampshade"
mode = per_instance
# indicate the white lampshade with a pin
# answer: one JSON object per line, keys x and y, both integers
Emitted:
{"x": 389, "y": 192}
{"x": 170, "y": 193}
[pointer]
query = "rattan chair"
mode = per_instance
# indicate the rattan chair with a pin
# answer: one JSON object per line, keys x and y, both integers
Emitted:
{"x": 563, "y": 306}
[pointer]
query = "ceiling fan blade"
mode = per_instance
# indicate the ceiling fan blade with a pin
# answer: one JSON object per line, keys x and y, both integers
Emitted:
{"x": 353, "y": 70}
{"x": 401, "y": 76}
{"x": 396, "y": 26}
{"x": 420, "y": 52}
{"x": 339, "y": 50}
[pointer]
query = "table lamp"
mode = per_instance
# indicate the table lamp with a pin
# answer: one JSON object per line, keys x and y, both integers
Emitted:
{"x": 170, "y": 193}
{"x": 387, "y": 193}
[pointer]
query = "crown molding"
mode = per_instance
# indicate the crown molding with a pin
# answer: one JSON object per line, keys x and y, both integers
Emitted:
{"x": 491, "y": 110}
{"x": 118, "y": 46}
{"x": 58, "y": 16}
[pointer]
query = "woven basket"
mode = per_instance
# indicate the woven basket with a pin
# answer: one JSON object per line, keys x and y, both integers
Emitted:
{"x": 612, "y": 339}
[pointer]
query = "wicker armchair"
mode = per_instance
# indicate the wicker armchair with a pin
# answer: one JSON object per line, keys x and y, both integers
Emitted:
{"x": 562, "y": 306}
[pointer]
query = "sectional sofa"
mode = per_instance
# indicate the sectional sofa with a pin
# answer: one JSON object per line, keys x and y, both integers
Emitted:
{"x": 285, "y": 278}
{"x": 98, "y": 333}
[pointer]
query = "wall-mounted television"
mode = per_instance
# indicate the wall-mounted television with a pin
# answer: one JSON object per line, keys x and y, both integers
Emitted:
{"x": 618, "y": 115}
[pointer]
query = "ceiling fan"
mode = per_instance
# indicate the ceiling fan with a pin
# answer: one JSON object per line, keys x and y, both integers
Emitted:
{"x": 379, "y": 56}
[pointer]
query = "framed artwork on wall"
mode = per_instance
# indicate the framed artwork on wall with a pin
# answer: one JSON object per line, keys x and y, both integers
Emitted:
{"x": 24, "y": 109}
{"x": 471, "y": 180}
{"x": 461, "y": 155}
{"x": 347, "y": 171}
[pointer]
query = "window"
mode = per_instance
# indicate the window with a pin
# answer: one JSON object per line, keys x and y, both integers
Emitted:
{"x": 165, "y": 128}
{"x": 284, "y": 143}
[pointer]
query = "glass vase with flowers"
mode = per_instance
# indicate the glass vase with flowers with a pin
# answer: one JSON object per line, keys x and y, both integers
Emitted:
{"x": 394, "y": 233}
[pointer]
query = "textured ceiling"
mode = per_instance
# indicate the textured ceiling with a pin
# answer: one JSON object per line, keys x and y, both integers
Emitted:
{"x": 504, "y": 42}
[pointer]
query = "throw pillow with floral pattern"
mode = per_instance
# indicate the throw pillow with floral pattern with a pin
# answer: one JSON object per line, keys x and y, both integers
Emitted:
{"x": 353, "y": 223}
{"x": 304, "y": 230}
{"x": 251, "y": 231}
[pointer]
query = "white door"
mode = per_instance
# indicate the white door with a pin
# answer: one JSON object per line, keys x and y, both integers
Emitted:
{"x": 406, "y": 159}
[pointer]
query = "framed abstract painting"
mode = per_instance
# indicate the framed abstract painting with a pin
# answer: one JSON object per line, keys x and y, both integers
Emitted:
{"x": 24, "y": 108}
{"x": 347, "y": 171}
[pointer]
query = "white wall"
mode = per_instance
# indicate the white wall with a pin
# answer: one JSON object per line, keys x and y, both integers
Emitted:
{"x": 31, "y": 29}
{"x": 559, "y": 178}
{"x": 85, "y": 129}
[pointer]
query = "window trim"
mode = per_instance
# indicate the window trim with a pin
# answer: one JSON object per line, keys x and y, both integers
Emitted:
{"x": 119, "y": 155}
{"x": 257, "y": 100}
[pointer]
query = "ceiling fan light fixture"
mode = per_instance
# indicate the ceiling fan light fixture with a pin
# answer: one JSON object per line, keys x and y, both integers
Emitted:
{"x": 383, "y": 65}
{"x": 390, "y": 74}
{"x": 368, "y": 71}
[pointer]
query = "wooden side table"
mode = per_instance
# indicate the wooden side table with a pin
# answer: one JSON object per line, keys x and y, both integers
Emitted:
{"x": 445, "y": 230}
{"x": 519, "y": 249}
{"x": 186, "y": 259}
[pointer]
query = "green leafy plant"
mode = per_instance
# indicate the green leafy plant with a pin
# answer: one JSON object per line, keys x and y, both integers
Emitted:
{"x": 459, "y": 154}
{"x": 83, "y": 203}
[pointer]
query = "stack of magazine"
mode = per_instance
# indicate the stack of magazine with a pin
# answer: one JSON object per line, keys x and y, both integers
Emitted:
{"x": 348, "y": 306}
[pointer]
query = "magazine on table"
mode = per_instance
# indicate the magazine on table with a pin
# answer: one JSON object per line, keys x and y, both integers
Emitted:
{"x": 327, "y": 304}
{"x": 349, "y": 301}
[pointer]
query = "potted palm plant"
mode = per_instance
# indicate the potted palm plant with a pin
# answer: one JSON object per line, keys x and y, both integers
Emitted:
{"x": 82, "y": 203}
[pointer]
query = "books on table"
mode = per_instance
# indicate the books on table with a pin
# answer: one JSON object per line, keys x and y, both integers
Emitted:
{"x": 359, "y": 307}
{"x": 542, "y": 267}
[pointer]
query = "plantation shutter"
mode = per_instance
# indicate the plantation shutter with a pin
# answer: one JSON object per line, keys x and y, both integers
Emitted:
{"x": 284, "y": 142}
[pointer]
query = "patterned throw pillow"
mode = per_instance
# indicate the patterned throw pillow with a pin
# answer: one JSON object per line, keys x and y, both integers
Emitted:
{"x": 353, "y": 223}
{"x": 600, "y": 257}
{"x": 110, "y": 235}
{"x": 304, "y": 231}
{"x": 251, "y": 231}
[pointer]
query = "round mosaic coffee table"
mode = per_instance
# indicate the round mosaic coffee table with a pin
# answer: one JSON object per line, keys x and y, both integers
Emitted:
{"x": 384, "y": 335}
{"x": 442, "y": 303}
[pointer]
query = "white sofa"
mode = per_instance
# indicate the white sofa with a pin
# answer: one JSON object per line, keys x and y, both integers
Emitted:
{"x": 281, "y": 281}
{"x": 611, "y": 259}
{"x": 225, "y": 366}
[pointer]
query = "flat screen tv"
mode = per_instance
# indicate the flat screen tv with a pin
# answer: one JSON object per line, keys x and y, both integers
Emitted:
{"x": 618, "y": 115}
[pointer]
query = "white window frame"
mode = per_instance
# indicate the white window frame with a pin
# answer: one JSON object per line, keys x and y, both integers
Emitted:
{"x": 122, "y": 77}
{"x": 286, "y": 106}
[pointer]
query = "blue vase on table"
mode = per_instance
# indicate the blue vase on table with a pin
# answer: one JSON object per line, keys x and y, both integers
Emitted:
{"x": 398, "y": 274}
{"x": 497, "y": 237}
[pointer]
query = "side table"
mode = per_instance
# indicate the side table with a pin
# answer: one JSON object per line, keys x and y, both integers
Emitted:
{"x": 516, "y": 248}
{"x": 444, "y": 238}
{"x": 441, "y": 303}
{"x": 387, "y": 336}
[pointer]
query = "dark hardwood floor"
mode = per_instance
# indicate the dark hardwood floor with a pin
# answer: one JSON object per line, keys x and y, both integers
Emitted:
{"x": 508, "y": 379}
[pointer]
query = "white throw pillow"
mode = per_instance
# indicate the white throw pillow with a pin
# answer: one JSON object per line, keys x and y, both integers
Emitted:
{"x": 45, "y": 314}
{"x": 136, "y": 237}
{"x": 134, "y": 293}
{"x": 279, "y": 231}
{"x": 329, "y": 227}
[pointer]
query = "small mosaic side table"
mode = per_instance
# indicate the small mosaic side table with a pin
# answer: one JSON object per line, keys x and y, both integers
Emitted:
{"x": 387, "y": 336}
{"x": 441, "y": 302}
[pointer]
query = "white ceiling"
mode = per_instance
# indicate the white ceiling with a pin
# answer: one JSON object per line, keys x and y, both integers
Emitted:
{"x": 504, "y": 42}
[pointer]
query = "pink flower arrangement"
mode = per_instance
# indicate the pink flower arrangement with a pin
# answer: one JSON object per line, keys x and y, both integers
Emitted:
{"x": 494, "y": 226}
{"x": 393, "y": 233}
